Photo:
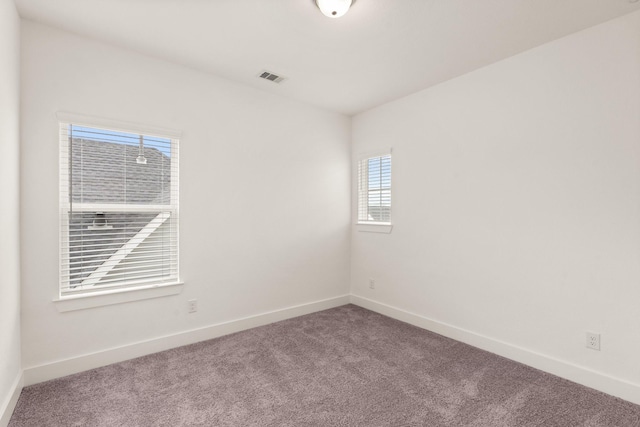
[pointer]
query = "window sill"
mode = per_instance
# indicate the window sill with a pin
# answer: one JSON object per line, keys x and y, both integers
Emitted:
{"x": 116, "y": 296}
{"x": 375, "y": 227}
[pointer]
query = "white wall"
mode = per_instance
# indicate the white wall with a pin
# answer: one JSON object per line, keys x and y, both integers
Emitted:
{"x": 265, "y": 197}
{"x": 9, "y": 194}
{"x": 516, "y": 204}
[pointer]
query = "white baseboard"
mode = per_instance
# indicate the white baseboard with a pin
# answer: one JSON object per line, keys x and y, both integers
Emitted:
{"x": 579, "y": 374}
{"x": 6, "y": 410}
{"x": 61, "y": 368}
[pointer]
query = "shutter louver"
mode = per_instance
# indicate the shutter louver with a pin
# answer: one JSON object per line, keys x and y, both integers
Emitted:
{"x": 118, "y": 209}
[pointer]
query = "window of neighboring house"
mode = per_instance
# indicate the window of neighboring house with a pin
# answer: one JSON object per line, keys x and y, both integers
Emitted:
{"x": 374, "y": 189}
{"x": 118, "y": 209}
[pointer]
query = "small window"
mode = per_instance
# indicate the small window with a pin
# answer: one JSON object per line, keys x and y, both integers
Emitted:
{"x": 118, "y": 209}
{"x": 374, "y": 190}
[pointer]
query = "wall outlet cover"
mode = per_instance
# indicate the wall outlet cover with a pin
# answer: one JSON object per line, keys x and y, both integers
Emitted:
{"x": 593, "y": 340}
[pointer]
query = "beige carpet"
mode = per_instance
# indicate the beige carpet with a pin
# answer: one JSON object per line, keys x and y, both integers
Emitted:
{"x": 341, "y": 367}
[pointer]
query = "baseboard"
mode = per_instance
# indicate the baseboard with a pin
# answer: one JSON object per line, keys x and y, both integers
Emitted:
{"x": 6, "y": 410}
{"x": 579, "y": 374}
{"x": 61, "y": 368}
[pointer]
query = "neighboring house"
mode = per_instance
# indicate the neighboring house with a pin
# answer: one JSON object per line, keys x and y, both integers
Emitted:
{"x": 104, "y": 244}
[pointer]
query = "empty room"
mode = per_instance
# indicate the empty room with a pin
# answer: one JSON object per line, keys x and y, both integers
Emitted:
{"x": 320, "y": 213}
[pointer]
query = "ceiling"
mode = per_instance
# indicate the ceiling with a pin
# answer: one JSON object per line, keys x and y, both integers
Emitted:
{"x": 380, "y": 51}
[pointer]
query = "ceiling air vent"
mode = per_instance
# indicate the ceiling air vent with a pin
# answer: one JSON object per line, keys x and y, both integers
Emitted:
{"x": 271, "y": 77}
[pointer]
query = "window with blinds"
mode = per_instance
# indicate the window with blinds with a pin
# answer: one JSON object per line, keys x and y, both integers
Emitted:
{"x": 374, "y": 189}
{"x": 118, "y": 209}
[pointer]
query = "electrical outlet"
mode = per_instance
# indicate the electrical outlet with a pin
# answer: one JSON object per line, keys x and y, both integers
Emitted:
{"x": 372, "y": 284}
{"x": 193, "y": 305}
{"x": 593, "y": 341}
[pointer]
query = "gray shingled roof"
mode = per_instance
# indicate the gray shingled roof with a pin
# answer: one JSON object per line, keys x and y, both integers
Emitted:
{"x": 106, "y": 172}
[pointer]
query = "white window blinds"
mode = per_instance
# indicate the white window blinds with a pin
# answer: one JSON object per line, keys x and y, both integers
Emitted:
{"x": 118, "y": 209}
{"x": 374, "y": 189}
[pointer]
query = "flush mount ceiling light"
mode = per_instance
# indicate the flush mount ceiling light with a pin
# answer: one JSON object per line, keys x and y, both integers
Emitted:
{"x": 334, "y": 8}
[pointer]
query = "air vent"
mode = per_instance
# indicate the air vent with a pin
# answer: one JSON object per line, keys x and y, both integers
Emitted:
{"x": 271, "y": 77}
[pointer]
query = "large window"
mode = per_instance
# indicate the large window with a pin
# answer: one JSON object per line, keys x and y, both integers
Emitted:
{"x": 118, "y": 209}
{"x": 374, "y": 189}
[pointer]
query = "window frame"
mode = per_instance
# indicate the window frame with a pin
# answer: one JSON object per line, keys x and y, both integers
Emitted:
{"x": 132, "y": 288}
{"x": 362, "y": 191}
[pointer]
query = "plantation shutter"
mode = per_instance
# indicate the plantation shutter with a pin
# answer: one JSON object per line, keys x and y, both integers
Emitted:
{"x": 119, "y": 209}
{"x": 374, "y": 189}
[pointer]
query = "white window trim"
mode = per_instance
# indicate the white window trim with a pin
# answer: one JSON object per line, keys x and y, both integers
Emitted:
{"x": 379, "y": 227}
{"x": 369, "y": 226}
{"x": 117, "y": 125}
{"x": 114, "y": 295}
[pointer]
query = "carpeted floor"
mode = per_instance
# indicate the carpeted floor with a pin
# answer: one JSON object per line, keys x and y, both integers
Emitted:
{"x": 341, "y": 367}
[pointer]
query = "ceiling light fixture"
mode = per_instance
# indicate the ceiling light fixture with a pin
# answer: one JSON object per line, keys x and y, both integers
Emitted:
{"x": 334, "y": 8}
